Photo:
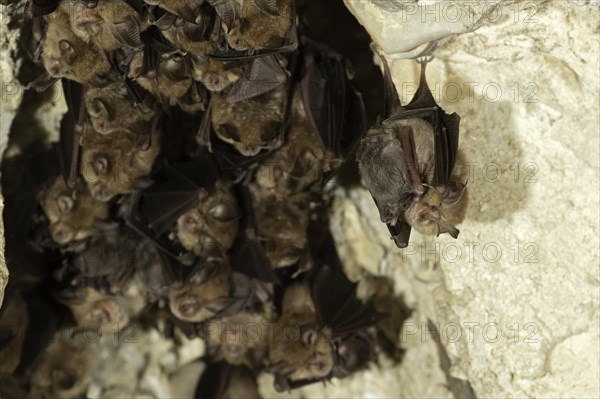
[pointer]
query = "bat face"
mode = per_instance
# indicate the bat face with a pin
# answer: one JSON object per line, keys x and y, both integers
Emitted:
{"x": 115, "y": 164}
{"x": 170, "y": 81}
{"x": 211, "y": 227}
{"x": 213, "y": 74}
{"x": 72, "y": 220}
{"x": 66, "y": 55}
{"x": 250, "y": 125}
{"x": 197, "y": 301}
{"x": 109, "y": 24}
{"x": 298, "y": 350}
{"x": 64, "y": 369}
{"x": 261, "y": 24}
{"x": 113, "y": 109}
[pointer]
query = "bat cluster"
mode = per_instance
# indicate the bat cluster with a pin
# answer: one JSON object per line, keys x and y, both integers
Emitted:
{"x": 186, "y": 190}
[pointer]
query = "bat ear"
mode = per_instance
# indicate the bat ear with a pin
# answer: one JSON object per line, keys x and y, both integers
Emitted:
{"x": 454, "y": 193}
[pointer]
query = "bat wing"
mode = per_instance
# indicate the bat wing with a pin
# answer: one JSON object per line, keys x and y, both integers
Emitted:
{"x": 333, "y": 106}
{"x": 334, "y": 296}
{"x": 267, "y": 6}
{"x": 71, "y": 130}
{"x": 445, "y": 127}
{"x": 260, "y": 76}
{"x": 127, "y": 32}
{"x": 214, "y": 381}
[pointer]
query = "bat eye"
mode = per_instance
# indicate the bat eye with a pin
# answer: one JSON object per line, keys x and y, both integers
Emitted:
{"x": 66, "y": 49}
{"x": 65, "y": 204}
{"x": 100, "y": 165}
{"x": 223, "y": 212}
{"x": 309, "y": 336}
{"x": 228, "y": 131}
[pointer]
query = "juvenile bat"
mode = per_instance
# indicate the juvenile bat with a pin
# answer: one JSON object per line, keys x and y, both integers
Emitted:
{"x": 73, "y": 216}
{"x": 115, "y": 164}
{"x": 66, "y": 55}
{"x": 408, "y": 161}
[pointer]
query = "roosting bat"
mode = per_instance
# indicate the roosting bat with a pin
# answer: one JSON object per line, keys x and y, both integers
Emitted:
{"x": 73, "y": 215}
{"x": 109, "y": 24}
{"x": 408, "y": 161}
{"x": 325, "y": 316}
{"x": 186, "y": 9}
{"x": 115, "y": 164}
{"x": 66, "y": 55}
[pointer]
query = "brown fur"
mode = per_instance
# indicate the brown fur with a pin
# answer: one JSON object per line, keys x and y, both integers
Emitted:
{"x": 127, "y": 165}
{"x": 76, "y": 222}
{"x": 14, "y": 321}
{"x": 67, "y": 56}
{"x": 212, "y": 74}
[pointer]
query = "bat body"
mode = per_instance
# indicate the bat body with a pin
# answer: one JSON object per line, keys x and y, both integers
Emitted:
{"x": 408, "y": 163}
{"x": 260, "y": 24}
{"x": 250, "y": 125}
{"x": 64, "y": 369}
{"x": 112, "y": 108}
{"x": 210, "y": 228}
{"x": 64, "y": 54}
{"x": 115, "y": 164}
{"x": 110, "y": 24}
{"x": 72, "y": 219}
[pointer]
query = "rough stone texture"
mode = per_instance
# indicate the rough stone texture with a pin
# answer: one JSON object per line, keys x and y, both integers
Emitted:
{"x": 10, "y": 98}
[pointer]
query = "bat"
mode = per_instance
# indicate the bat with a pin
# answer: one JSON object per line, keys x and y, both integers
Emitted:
{"x": 326, "y": 314}
{"x": 214, "y": 74}
{"x": 260, "y": 24}
{"x": 221, "y": 380}
{"x": 211, "y": 227}
{"x": 65, "y": 55}
{"x": 73, "y": 216}
{"x": 107, "y": 262}
{"x": 251, "y": 125}
{"x": 115, "y": 164}
{"x": 186, "y": 9}
{"x": 407, "y": 162}
{"x": 281, "y": 226}
{"x": 327, "y": 118}
{"x": 64, "y": 369}
{"x": 110, "y": 25}
{"x": 113, "y": 108}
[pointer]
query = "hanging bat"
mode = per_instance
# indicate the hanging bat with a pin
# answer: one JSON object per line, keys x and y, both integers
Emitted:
{"x": 113, "y": 108}
{"x": 326, "y": 120}
{"x": 115, "y": 164}
{"x": 106, "y": 264}
{"x": 66, "y": 55}
{"x": 73, "y": 216}
{"x": 104, "y": 312}
{"x": 250, "y": 125}
{"x": 212, "y": 225}
{"x": 64, "y": 369}
{"x": 258, "y": 24}
{"x": 186, "y": 9}
{"x": 110, "y": 25}
{"x": 325, "y": 313}
{"x": 408, "y": 161}
{"x": 214, "y": 74}
{"x": 221, "y": 380}
{"x": 281, "y": 226}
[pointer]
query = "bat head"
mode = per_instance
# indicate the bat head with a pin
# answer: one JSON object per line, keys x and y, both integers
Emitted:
{"x": 202, "y": 296}
{"x": 213, "y": 74}
{"x": 299, "y": 349}
{"x": 210, "y": 228}
{"x": 439, "y": 209}
{"x": 71, "y": 217}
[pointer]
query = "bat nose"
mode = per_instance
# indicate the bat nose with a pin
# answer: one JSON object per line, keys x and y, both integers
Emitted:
{"x": 54, "y": 69}
{"x": 61, "y": 233}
